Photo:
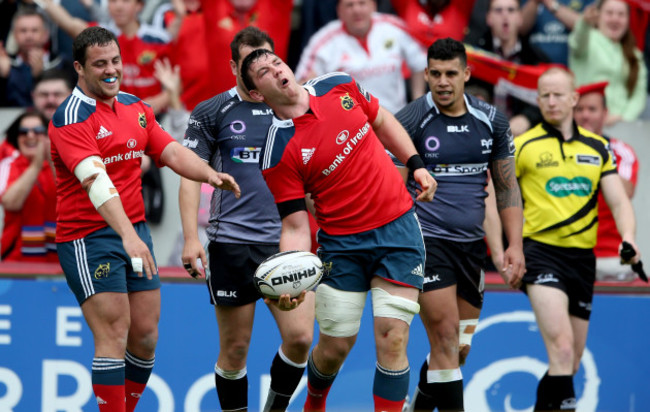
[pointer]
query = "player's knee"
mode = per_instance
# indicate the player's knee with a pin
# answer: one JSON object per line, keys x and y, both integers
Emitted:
{"x": 385, "y": 305}
{"x": 466, "y": 329}
{"x": 339, "y": 312}
{"x": 392, "y": 341}
{"x": 300, "y": 342}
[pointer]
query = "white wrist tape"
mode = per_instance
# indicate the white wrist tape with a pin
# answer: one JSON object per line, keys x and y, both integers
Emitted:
{"x": 102, "y": 188}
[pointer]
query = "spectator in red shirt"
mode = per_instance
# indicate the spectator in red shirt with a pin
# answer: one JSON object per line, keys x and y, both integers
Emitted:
{"x": 140, "y": 44}
{"x": 590, "y": 113}
{"x": 28, "y": 193}
{"x": 224, "y": 18}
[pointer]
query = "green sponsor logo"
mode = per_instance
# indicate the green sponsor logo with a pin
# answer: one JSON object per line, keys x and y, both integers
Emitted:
{"x": 562, "y": 187}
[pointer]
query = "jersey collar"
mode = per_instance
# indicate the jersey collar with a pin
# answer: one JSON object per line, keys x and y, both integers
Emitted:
{"x": 77, "y": 92}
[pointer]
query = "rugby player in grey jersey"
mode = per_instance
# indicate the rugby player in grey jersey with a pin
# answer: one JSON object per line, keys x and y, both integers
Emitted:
{"x": 459, "y": 138}
{"x": 228, "y": 131}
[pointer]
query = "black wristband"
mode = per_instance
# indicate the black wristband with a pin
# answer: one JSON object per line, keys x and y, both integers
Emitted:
{"x": 415, "y": 162}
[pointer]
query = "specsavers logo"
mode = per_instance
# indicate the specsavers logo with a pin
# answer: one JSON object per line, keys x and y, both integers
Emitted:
{"x": 563, "y": 187}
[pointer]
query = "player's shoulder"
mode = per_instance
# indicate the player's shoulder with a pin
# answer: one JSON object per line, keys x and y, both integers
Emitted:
{"x": 593, "y": 136}
{"x": 217, "y": 105}
{"x": 277, "y": 140}
{"x": 534, "y": 133}
{"x": 486, "y": 112}
{"x": 77, "y": 108}
{"x": 128, "y": 99}
{"x": 323, "y": 84}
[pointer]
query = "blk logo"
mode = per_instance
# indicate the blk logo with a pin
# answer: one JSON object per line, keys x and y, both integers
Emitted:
{"x": 457, "y": 129}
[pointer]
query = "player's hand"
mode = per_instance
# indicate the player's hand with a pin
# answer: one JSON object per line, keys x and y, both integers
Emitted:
{"x": 514, "y": 267}
{"x": 285, "y": 302}
{"x": 428, "y": 185}
{"x": 137, "y": 249}
{"x": 192, "y": 251}
{"x": 224, "y": 181}
{"x": 626, "y": 256}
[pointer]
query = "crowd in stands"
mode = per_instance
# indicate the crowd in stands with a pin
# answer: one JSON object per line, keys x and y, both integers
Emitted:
{"x": 176, "y": 54}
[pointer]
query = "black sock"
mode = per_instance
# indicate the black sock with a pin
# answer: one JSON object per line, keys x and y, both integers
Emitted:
{"x": 285, "y": 377}
{"x": 232, "y": 391}
{"x": 555, "y": 393}
{"x": 446, "y": 396}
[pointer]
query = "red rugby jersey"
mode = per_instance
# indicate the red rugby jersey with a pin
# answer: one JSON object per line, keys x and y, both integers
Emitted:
{"x": 333, "y": 153}
{"x": 28, "y": 234}
{"x": 83, "y": 127}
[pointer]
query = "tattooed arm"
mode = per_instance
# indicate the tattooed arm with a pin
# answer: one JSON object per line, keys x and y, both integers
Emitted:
{"x": 509, "y": 204}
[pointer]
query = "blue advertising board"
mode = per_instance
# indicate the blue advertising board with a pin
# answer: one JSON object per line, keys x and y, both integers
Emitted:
{"x": 46, "y": 350}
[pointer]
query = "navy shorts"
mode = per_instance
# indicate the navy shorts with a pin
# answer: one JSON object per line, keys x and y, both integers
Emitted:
{"x": 98, "y": 263}
{"x": 232, "y": 266}
{"x": 394, "y": 252}
{"x": 572, "y": 270}
{"x": 456, "y": 263}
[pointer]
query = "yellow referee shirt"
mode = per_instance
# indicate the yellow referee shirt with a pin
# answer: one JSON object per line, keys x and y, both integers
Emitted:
{"x": 559, "y": 183}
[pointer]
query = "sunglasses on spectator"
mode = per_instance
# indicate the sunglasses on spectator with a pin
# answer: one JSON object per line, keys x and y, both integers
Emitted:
{"x": 36, "y": 130}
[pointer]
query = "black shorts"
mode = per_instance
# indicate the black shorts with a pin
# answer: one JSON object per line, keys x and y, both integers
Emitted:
{"x": 572, "y": 270}
{"x": 456, "y": 263}
{"x": 232, "y": 266}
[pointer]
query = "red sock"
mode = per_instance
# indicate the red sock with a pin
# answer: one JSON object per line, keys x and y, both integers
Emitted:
{"x": 384, "y": 405}
{"x": 316, "y": 399}
{"x": 133, "y": 393}
{"x": 110, "y": 398}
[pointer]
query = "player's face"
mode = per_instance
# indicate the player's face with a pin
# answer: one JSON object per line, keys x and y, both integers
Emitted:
{"x": 556, "y": 98}
{"x": 101, "y": 76}
{"x": 245, "y": 50}
{"x": 273, "y": 78}
{"x": 504, "y": 19}
{"x": 48, "y": 95}
{"x": 124, "y": 12}
{"x": 31, "y": 131}
{"x": 613, "y": 19}
{"x": 446, "y": 79}
{"x": 29, "y": 33}
{"x": 590, "y": 112}
{"x": 356, "y": 15}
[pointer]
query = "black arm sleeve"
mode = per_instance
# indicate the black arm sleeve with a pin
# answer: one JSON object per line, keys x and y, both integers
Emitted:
{"x": 291, "y": 206}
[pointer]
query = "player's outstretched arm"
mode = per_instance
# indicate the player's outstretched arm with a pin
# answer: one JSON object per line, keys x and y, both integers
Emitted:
{"x": 510, "y": 209}
{"x": 189, "y": 195}
{"x": 187, "y": 164}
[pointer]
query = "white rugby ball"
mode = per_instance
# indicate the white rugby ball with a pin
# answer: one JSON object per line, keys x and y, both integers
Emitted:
{"x": 288, "y": 273}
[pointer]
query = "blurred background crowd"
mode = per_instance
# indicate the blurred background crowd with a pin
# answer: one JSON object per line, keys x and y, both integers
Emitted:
{"x": 177, "y": 53}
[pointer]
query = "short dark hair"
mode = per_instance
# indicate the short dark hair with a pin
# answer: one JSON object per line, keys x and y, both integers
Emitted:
{"x": 12, "y": 130}
{"x": 28, "y": 12}
{"x": 91, "y": 36}
{"x": 254, "y": 56}
{"x": 54, "y": 74}
{"x": 447, "y": 49}
{"x": 249, "y": 36}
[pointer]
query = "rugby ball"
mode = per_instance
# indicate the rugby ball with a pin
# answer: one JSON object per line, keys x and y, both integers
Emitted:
{"x": 288, "y": 273}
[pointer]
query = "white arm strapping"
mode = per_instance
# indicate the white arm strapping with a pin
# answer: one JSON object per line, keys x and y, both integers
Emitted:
{"x": 102, "y": 188}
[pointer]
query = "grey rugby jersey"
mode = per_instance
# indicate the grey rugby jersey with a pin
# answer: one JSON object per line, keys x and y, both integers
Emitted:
{"x": 459, "y": 151}
{"x": 229, "y": 133}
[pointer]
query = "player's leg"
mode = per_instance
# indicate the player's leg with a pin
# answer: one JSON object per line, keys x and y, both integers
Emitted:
{"x": 297, "y": 332}
{"x": 440, "y": 383}
{"x": 339, "y": 318}
{"x": 393, "y": 308}
{"x": 107, "y": 315}
{"x": 98, "y": 280}
{"x": 144, "y": 302}
{"x": 469, "y": 315}
{"x": 235, "y": 327}
{"x": 141, "y": 344}
{"x": 550, "y": 306}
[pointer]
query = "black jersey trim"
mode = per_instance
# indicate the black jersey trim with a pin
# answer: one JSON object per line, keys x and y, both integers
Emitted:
{"x": 584, "y": 211}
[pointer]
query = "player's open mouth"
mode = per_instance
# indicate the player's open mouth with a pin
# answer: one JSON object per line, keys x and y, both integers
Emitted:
{"x": 285, "y": 82}
{"x": 110, "y": 80}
